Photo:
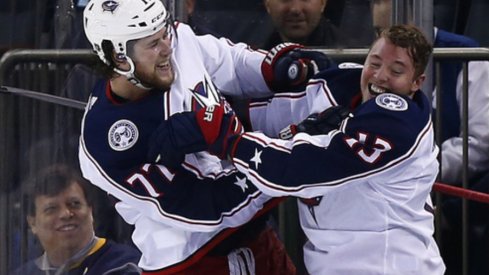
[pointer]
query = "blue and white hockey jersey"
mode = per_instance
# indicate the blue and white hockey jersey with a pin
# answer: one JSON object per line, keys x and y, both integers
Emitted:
{"x": 365, "y": 189}
{"x": 179, "y": 217}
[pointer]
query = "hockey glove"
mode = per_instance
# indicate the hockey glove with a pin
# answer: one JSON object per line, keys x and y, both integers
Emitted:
{"x": 190, "y": 132}
{"x": 218, "y": 129}
{"x": 287, "y": 67}
{"x": 175, "y": 137}
{"x": 318, "y": 124}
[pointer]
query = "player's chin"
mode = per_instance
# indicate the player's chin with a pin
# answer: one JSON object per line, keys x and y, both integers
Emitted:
{"x": 163, "y": 72}
{"x": 164, "y": 81}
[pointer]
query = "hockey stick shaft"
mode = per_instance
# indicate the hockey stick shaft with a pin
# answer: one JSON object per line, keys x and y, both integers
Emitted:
{"x": 44, "y": 97}
{"x": 461, "y": 192}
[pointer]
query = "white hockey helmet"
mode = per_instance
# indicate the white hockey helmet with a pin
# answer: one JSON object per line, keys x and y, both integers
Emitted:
{"x": 119, "y": 21}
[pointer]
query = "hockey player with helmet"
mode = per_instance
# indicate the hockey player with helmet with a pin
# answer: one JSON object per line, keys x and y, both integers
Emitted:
{"x": 186, "y": 216}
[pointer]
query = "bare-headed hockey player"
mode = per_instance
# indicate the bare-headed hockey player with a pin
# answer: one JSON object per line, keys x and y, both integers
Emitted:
{"x": 363, "y": 178}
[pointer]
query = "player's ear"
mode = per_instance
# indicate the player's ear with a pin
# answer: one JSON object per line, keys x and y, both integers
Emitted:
{"x": 120, "y": 61}
{"x": 119, "y": 58}
{"x": 418, "y": 82}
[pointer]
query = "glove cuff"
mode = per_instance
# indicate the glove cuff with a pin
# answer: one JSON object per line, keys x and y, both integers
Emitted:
{"x": 209, "y": 120}
{"x": 267, "y": 66}
{"x": 233, "y": 142}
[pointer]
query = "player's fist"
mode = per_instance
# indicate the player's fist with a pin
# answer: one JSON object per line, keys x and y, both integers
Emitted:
{"x": 183, "y": 133}
{"x": 318, "y": 124}
{"x": 175, "y": 137}
{"x": 287, "y": 67}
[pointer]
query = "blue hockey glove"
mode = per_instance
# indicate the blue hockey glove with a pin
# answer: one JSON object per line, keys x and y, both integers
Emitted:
{"x": 173, "y": 139}
{"x": 287, "y": 67}
{"x": 318, "y": 124}
{"x": 190, "y": 132}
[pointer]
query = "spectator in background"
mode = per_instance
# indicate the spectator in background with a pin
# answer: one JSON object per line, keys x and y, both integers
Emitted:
{"x": 196, "y": 23}
{"x": 59, "y": 213}
{"x": 452, "y": 139}
{"x": 301, "y": 22}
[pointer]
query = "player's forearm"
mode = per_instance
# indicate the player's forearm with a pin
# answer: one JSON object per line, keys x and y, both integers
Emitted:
{"x": 271, "y": 116}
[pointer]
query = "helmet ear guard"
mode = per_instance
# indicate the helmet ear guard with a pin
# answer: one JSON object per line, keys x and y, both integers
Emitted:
{"x": 119, "y": 21}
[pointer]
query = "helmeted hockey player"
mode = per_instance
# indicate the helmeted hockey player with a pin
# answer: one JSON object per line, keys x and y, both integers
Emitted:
{"x": 157, "y": 68}
{"x": 363, "y": 180}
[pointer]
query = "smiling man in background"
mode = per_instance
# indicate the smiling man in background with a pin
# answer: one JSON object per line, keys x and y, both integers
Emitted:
{"x": 59, "y": 214}
{"x": 301, "y": 22}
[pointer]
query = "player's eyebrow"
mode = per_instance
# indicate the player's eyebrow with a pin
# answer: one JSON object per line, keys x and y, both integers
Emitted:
{"x": 396, "y": 62}
{"x": 400, "y": 63}
{"x": 376, "y": 56}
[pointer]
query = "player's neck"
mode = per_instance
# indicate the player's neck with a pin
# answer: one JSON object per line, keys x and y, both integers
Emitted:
{"x": 125, "y": 89}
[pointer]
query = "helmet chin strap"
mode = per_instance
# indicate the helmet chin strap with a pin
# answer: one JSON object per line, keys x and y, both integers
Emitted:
{"x": 130, "y": 74}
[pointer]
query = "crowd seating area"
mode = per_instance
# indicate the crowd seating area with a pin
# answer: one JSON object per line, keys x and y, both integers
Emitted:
{"x": 34, "y": 133}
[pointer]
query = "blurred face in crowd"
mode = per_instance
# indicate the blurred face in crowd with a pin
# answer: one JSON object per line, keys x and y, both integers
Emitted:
{"x": 295, "y": 19}
{"x": 381, "y": 13}
{"x": 389, "y": 67}
{"x": 63, "y": 223}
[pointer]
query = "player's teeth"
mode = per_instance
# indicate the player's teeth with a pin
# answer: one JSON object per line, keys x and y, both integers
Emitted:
{"x": 376, "y": 89}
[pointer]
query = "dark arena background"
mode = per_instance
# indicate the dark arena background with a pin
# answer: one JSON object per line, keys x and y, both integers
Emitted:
{"x": 46, "y": 76}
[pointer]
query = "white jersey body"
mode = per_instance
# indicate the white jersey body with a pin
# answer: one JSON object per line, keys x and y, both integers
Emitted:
{"x": 173, "y": 226}
{"x": 364, "y": 189}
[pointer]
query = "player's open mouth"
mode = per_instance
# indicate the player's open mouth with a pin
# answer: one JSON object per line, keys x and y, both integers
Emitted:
{"x": 376, "y": 90}
{"x": 163, "y": 66}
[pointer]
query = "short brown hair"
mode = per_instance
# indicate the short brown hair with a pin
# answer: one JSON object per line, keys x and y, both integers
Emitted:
{"x": 411, "y": 38}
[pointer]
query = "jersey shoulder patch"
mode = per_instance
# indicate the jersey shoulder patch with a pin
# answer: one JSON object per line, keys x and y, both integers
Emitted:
{"x": 122, "y": 135}
{"x": 391, "y": 102}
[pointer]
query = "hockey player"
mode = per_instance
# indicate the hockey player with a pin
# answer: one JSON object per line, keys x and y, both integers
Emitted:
{"x": 185, "y": 216}
{"x": 364, "y": 179}
{"x": 451, "y": 142}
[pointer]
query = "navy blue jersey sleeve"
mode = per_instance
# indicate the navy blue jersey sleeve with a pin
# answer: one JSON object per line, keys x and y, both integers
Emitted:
{"x": 113, "y": 150}
{"x": 383, "y": 133}
{"x": 343, "y": 83}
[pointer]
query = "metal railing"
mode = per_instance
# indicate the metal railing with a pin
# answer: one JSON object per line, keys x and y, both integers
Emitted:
{"x": 45, "y": 71}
